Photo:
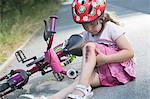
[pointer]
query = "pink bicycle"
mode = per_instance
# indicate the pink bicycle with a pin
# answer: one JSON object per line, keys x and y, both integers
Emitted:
{"x": 52, "y": 59}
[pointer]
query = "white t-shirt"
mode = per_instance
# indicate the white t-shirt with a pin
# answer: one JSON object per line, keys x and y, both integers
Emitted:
{"x": 110, "y": 33}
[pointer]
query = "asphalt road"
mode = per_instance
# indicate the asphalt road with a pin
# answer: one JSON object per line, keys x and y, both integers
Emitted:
{"x": 135, "y": 21}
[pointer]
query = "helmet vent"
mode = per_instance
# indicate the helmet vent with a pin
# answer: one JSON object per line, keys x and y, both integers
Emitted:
{"x": 82, "y": 2}
{"x": 90, "y": 0}
{"x": 90, "y": 9}
{"x": 76, "y": 10}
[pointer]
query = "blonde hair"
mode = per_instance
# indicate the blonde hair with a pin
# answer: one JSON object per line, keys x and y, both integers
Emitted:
{"x": 107, "y": 17}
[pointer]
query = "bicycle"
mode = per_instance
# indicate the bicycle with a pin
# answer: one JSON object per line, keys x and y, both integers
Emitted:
{"x": 52, "y": 59}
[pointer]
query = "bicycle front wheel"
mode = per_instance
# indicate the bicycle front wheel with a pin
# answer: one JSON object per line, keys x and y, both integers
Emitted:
{"x": 4, "y": 87}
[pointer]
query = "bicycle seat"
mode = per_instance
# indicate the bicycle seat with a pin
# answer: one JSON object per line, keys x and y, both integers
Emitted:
{"x": 74, "y": 45}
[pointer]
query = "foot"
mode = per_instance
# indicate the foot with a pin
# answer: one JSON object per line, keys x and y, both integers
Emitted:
{"x": 78, "y": 92}
{"x": 29, "y": 96}
{"x": 81, "y": 92}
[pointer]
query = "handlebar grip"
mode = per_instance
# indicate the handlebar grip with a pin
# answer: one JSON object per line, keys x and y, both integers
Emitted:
{"x": 53, "y": 23}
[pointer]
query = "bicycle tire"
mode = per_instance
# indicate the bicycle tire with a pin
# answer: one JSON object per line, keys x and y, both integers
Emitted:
{"x": 4, "y": 87}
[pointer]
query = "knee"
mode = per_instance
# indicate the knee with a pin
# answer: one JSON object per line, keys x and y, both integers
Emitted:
{"x": 91, "y": 45}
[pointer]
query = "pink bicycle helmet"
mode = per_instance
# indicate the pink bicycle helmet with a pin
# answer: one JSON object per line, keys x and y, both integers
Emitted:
{"x": 87, "y": 10}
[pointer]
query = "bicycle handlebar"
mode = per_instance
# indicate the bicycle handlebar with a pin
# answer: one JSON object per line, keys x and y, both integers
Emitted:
{"x": 53, "y": 23}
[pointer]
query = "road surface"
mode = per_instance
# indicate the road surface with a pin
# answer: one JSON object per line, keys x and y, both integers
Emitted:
{"x": 135, "y": 20}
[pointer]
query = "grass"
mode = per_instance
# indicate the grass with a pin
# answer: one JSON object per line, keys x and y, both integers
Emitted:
{"x": 16, "y": 29}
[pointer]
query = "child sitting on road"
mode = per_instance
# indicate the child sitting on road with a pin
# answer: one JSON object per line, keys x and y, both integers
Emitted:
{"x": 107, "y": 54}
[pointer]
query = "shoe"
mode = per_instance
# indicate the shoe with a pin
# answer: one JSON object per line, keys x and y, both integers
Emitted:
{"x": 87, "y": 91}
{"x": 31, "y": 96}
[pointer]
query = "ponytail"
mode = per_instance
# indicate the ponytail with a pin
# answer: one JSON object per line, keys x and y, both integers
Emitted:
{"x": 106, "y": 17}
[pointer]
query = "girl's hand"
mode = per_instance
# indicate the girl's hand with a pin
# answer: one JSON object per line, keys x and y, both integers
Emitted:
{"x": 101, "y": 59}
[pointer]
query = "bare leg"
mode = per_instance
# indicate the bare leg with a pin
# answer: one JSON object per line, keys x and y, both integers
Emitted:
{"x": 88, "y": 76}
{"x": 62, "y": 93}
{"x": 88, "y": 63}
{"x": 94, "y": 82}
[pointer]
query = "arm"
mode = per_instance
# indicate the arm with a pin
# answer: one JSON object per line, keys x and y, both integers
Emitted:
{"x": 125, "y": 53}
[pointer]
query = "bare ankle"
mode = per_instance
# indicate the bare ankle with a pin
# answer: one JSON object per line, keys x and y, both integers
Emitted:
{"x": 86, "y": 83}
{"x": 51, "y": 97}
{"x": 54, "y": 97}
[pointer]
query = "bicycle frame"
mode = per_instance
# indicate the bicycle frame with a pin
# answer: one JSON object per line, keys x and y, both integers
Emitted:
{"x": 16, "y": 79}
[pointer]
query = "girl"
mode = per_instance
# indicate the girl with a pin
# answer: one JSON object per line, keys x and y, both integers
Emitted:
{"x": 107, "y": 54}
